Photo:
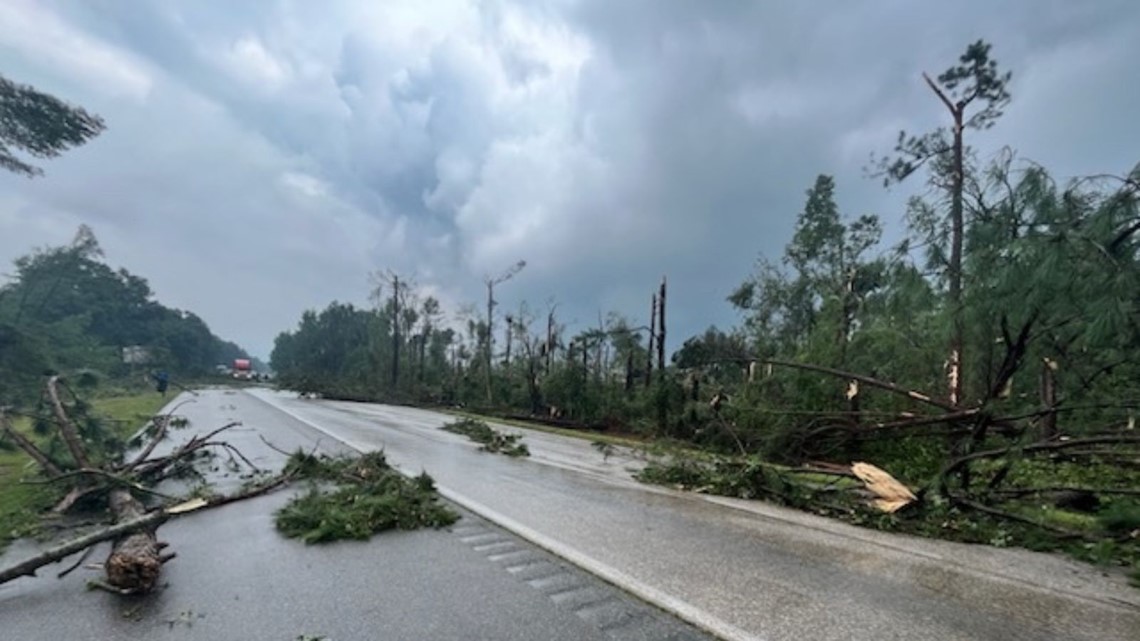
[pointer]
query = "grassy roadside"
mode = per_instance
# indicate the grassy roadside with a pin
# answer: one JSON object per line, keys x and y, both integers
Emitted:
{"x": 22, "y": 503}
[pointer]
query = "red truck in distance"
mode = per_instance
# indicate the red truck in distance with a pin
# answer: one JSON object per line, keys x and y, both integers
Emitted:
{"x": 242, "y": 369}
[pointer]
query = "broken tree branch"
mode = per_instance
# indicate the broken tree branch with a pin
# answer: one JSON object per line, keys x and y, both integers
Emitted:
{"x": 28, "y": 447}
{"x": 1112, "y": 439}
{"x": 232, "y": 450}
{"x": 874, "y": 382}
{"x": 938, "y": 91}
{"x": 974, "y": 505}
{"x": 117, "y": 480}
{"x": 159, "y": 435}
{"x": 158, "y": 465}
{"x": 67, "y": 428}
{"x": 1026, "y": 491}
{"x": 74, "y": 566}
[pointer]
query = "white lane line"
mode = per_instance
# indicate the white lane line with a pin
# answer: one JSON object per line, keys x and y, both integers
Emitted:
{"x": 673, "y": 605}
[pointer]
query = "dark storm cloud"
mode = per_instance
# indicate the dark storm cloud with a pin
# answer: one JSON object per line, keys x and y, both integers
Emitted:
{"x": 267, "y": 155}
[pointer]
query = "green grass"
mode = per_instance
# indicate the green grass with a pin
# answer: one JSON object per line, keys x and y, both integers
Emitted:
{"x": 22, "y": 503}
{"x": 126, "y": 414}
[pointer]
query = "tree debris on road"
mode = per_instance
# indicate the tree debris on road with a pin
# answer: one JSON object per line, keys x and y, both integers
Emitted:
{"x": 492, "y": 440}
{"x": 93, "y": 473}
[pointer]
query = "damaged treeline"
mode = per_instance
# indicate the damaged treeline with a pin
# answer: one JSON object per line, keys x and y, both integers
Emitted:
{"x": 91, "y": 472}
{"x": 1008, "y": 409}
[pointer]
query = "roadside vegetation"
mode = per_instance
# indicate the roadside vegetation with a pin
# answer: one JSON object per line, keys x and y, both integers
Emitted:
{"x": 987, "y": 363}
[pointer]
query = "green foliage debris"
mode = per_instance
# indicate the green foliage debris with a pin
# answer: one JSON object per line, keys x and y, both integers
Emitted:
{"x": 354, "y": 498}
{"x": 492, "y": 440}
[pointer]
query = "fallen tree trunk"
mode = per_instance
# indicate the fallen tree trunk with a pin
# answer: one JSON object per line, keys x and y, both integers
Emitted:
{"x": 125, "y": 529}
{"x": 64, "y": 550}
{"x": 134, "y": 563}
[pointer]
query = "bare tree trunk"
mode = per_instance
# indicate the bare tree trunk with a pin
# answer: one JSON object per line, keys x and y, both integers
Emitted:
{"x": 423, "y": 353}
{"x": 957, "y": 231}
{"x": 508, "y": 358}
{"x": 601, "y": 352}
{"x": 652, "y": 338}
{"x": 549, "y": 339}
{"x": 661, "y": 331}
{"x": 490, "y": 337}
{"x": 395, "y": 331}
{"x": 67, "y": 428}
{"x": 1048, "y": 399}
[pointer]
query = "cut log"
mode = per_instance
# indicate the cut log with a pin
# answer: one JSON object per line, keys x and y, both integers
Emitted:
{"x": 134, "y": 564}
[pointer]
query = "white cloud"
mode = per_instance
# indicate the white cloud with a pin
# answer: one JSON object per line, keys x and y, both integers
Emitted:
{"x": 250, "y": 59}
{"x": 304, "y": 184}
{"x": 39, "y": 34}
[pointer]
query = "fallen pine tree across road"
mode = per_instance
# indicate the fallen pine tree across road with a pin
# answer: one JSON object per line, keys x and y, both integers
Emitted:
{"x": 369, "y": 497}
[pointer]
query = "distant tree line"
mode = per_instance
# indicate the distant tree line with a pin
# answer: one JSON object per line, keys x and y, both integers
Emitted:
{"x": 65, "y": 309}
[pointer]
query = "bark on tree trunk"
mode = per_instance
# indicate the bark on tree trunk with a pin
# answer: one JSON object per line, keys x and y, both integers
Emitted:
{"x": 135, "y": 562}
{"x": 957, "y": 230}
{"x": 67, "y": 428}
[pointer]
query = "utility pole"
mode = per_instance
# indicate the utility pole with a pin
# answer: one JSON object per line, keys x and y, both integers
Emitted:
{"x": 490, "y": 335}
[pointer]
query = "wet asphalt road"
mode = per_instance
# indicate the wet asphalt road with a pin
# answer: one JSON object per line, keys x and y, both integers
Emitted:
{"x": 743, "y": 571}
{"x": 235, "y": 578}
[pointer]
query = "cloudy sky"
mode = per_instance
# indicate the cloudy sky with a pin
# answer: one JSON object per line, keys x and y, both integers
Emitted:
{"x": 263, "y": 157}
